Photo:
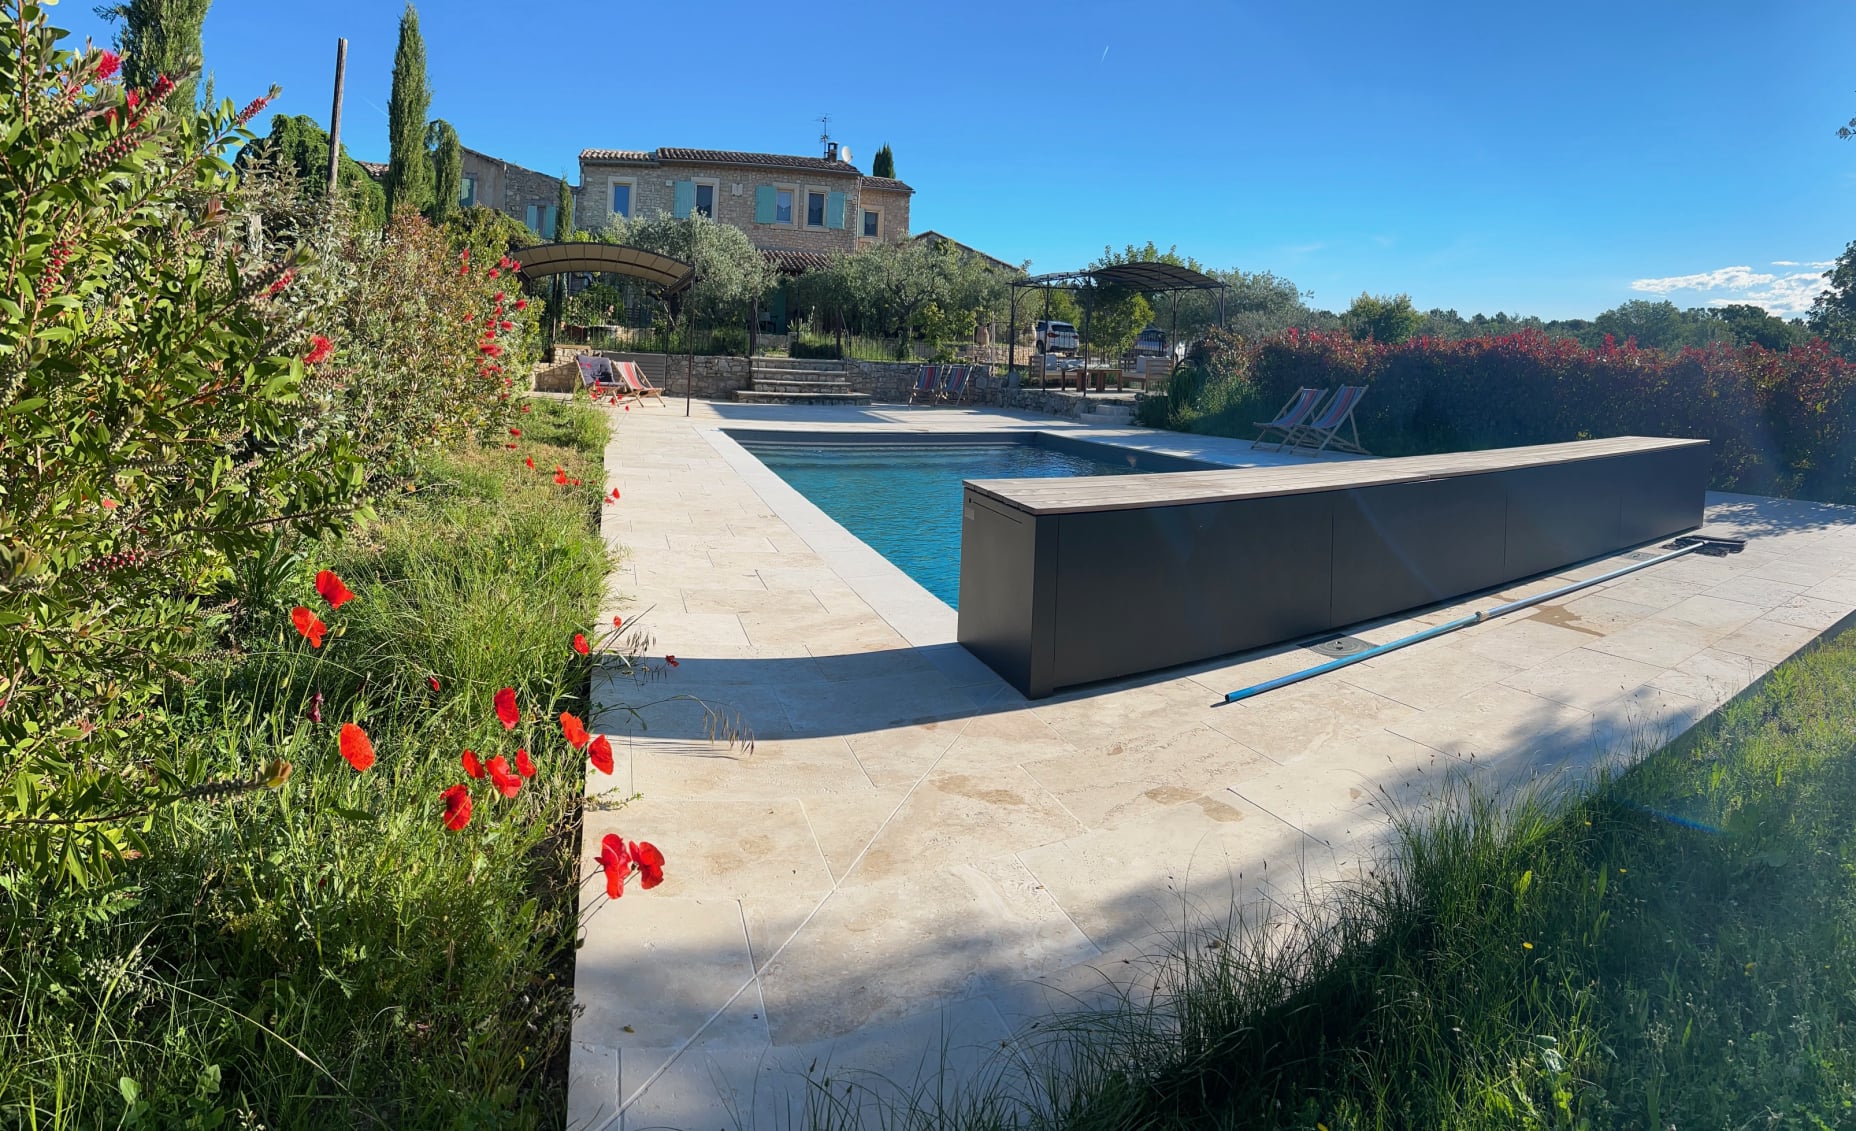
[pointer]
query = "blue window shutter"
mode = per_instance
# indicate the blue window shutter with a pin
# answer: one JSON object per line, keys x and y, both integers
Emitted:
{"x": 834, "y": 210}
{"x": 763, "y": 204}
{"x": 685, "y": 201}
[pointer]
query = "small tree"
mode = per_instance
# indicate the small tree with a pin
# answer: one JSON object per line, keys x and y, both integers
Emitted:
{"x": 564, "y": 214}
{"x": 1833, "y": 312}
{"x": 884, "y": 163}
{"x": 298, "y": 146}
{"x": 1384, "y": 319}
{"x": 160, "y": 37}
{"x": 409, "y": 166}
{"x": 731, "y": 273}
{"x": 447, "y": 170}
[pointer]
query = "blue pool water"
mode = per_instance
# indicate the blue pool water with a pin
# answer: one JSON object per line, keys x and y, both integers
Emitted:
{"x": 903, "y": 500}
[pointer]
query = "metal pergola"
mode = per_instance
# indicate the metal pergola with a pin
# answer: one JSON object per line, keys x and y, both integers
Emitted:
{"x": 1144, "y": 277}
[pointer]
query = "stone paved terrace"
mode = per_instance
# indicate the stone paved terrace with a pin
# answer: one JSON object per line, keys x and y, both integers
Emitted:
{"x": 914, "y": 861}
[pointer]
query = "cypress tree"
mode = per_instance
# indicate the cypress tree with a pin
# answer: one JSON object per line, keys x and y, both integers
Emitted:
{"x": 447, "y": 170}
{"x": 409, "y": 167}
{"x": 160, "y": 37}
{"x": 564, "y": 215}
{"x": 884, "y": 163}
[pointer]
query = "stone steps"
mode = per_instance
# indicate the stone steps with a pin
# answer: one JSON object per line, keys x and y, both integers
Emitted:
{"x": 803, "y": 381}
{"x": 762, "y": 396}
{"x": 763, "y": 384}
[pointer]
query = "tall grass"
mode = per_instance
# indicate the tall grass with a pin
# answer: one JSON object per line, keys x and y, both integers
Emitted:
{"x": 328, "y": 954}
{"x": 1674, "y": 949}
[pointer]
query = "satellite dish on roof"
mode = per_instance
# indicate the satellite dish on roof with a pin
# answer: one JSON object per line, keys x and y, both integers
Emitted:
{"x": 844, "y": 152}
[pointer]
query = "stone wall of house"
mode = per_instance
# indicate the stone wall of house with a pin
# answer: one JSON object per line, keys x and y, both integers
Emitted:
{"x": 893, "y": 209}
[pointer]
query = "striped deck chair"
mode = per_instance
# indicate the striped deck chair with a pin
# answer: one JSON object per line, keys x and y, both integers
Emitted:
{"x": 637, "y": 382}
{"x": 1324, "y": 430}
{"x": 597, "y": 375}
{"x": 955, "y": 385}
{"x": 927, "y": 383}
{"x": 1293, "y": 415}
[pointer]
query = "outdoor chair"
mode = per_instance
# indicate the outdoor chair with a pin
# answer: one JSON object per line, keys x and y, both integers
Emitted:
{"x": 979, "y": 383}
{"x": 1324, "y": 430}
{"x": 927, "y": 383}
{"x": 596, "y": 374}
{"x": 955, "y": 386}
{"x": 1293, "y": 415}
{"x": 637, "y": 382}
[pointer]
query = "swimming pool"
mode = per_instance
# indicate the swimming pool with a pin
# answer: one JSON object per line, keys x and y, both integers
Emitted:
{"x": 902, "y": 497}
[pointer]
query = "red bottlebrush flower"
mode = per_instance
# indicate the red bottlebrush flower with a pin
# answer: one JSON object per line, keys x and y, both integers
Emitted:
{"x": 332, "y": 589}
{"x": 574, "y": 731}
{"x": 494, "y": 272}
{"x": 433, "y": 680}
{"x": 530, "y": 461}
{"x": 506, "y": 708}
{"x": 309, "y": 625}
{"x": 464, "y": 269}
{"x": 521, "y": 304}
{"x": 251, "y": 109}
{"x": 457, "y": 807}
{"x": 356, "y": 747}
{"x": 473, "y": 765}
{"x": 672, "y": 661}
{"x": 525, "y": 408}
{"x": 505, "y": 263}
{"x": 319, "y": 348}
{"x": 560, "y": 475}
{"x": 617, "y": 862}
{"x": 524, "y": 764}
{"x": 507, "y": 325}
{"x": 618, "y": 622}
{"x": 515, "y": 431}
{"x": 599, "y": 752}
{"x": 132, "y": 99}
{"x": 108, "y": 503}
{"x": 628, "y": 408}
{"x": 162, "y": 88}
{"x": 506, "y": 782}
{"x": 108, "y": 63}
{"x": 283, "y": 280}
{"x": 580, "y": 645}
{"x": 499, "y": 294}
{"x": 464, "y": 254}
{"x": 650, "y": 863}
{"x": 492, "y": 349}
{"x": 470, "y": 317}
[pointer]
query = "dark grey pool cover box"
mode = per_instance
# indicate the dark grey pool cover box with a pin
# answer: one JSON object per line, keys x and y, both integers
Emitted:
{"x": 1067, "y": 581}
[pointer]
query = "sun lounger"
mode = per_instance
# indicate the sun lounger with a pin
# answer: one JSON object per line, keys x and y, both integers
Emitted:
{"x": 1293, "y": 415}
{"x": 597, "y": 375}
{"x": 927, "y": 383}
{"x": 1324, "y": 431}
{"x": 637, "y": 382}
{"x": 955, "y": 387}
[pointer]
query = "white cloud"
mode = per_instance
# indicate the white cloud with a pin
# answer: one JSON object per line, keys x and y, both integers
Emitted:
{"x": 1786, "y": 294}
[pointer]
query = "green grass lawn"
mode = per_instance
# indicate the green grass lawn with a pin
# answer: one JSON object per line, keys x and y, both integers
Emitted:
{"x": 328, "y": 954}
{"x": 1675, "y": 950}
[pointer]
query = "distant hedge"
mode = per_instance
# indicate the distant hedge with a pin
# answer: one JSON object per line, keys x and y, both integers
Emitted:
{"x": 1783, "y": 423}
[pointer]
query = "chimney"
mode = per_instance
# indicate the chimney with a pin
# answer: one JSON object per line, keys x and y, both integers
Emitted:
{"x": 831, "y": 151}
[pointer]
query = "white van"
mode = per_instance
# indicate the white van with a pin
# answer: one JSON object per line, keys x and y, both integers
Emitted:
{"x": 1056, "y": 337}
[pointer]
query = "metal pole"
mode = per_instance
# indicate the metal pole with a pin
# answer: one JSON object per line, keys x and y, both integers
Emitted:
{"x": 335, "y": 116}
{"x": 1011, "y": 337}
{"x": 1044, "y": 381}
{"x": 689, "y": 375}
{"x": 1087, "y": 306}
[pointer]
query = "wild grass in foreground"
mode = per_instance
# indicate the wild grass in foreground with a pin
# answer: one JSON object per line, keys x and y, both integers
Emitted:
{"x": 1675, "y": 950}
{"x": 329, "y": 954}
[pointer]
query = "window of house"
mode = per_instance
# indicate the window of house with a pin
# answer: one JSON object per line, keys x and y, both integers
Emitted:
{"x": 705, "y": 198}
{"x": 815, "y": 209}
{"x": 873, "y": 222}
{"x": 467, "y": 196}
{"x": 622, "y": 199}
{"x": 782, "y": 206}
{"x": 540, "y": 218}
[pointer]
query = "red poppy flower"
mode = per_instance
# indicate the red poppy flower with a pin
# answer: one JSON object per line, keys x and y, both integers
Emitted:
{"x": 506, "y": 708}
{"x": 600, "y": 752}
{"x": 511, "y": 447}
{"x": 506, "y": 782}
{"x": 521, "y": 304}
{"x": 108, "y": 63}
{"x": 472, "y": 764}
{"x": 672, "y": 661}
{"x": 332, "y": 589}
{"x": 608, "y": 502}
{"x": 618, "y": 622}
{"x": 617, "y": 862}
{"x": 650, "y": 863}
{"x": 560, "y": 476}
{"x": 576, "y": 483}
{"x": 615, "y": 492}
{"x": 628, "y": 408}
{"x": 515, "y": 431}
{"x": 433, "y": 680}
{"x": 457, "y": 807}
{"x": 524, "y": 764}
{"x": 580, "y": 643}
{"x": 530, "y": 461}
{"x": 319, "y": 348}
{"x": 356, "y": 747}
{"x": 574, "y": 731}
{"x": 309, "y": 625}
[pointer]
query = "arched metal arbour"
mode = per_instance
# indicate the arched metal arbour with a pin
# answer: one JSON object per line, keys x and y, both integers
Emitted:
{"x": 1145, "y": 277}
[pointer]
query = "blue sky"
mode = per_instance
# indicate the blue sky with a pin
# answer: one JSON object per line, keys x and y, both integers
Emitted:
{"x": 1552, "y": 159}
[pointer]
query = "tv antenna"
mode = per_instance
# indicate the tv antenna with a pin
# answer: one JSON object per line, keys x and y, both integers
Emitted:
{"x": 824, "y": 132}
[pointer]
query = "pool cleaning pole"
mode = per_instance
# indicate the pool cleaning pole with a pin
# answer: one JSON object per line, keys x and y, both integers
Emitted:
{"x": 1473, "y": 618}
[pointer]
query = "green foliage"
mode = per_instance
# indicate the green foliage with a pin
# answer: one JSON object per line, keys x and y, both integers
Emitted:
{"x": 731, "y": 271}
{"x": 447, "y": 157}
{"x": 884, "y": 163}
{"x": 1382, "y": 318}
{"x": 1833, "y": 313}
{"x": 154, "y": 428}
{"x": 409, "y": 167}
{"x": 328, "y": 954}
{"x": 906, "y": 289}
{"x": 564, "y": 215}
{"x": 298, "y": 146}
{"x": 488, "y": 233}
{"x": 160, "y": 37}
{"x": 598, "y": 304}
{"x": 1748, "y": 325}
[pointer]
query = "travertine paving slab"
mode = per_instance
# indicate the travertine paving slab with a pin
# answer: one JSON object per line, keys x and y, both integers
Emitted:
{"x": 911, "y": 866}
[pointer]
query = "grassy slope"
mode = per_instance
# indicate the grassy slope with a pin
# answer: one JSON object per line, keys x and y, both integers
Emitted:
{"x": 1676, "y": 950}
{"x": 328, "y": 954}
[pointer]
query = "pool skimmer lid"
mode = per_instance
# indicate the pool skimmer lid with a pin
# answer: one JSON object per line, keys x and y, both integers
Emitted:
{"x": 1341, "y": 646}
